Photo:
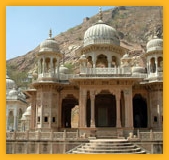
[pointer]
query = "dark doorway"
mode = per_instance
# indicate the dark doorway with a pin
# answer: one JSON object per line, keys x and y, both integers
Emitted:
{"x": 139, "y": 111}
{"x": 105, "y": 110}
{"x": 67, "y": 104}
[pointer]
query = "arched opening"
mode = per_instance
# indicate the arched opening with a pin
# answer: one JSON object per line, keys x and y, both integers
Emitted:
{"x": 68, "y": 104}
{"x": 139, "y": 111}
{"x": 122, "y": 109}
{"x": 114, "y": 62}
{"x": 152, "y": 65}
{"x": 89, "y": 62}
{"x": 160, "y": 64}
{"x": 41, "y": 65}
{"x": 88, "y": 109}
{"x": 47, "y": 62}
{"x": 105, "y": 110}
{"x": 19, "y": 118}
{"x": 11, "y": 121}
{"x": 54, "y": 64}
{"x": 102, "y": 61}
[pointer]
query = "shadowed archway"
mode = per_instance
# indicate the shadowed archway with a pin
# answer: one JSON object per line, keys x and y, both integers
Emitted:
{"x": 139, "y": 111}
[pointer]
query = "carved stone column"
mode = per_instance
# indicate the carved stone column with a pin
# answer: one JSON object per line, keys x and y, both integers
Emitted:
{"x": 92, "y": 98}
{"x": 118, "y": 119}
{"x": 156, "y": 64}
{"x": 43, "y": 65}
{"x": 33, "y": 112}
{"x": 82, "y": 108}
{"x": 94, "y": 61}
{"x": 128, "y": 108}
{"x": 7, "y": 120}
{"x": 58, "y": 66}
{"x": 15, "y": 120}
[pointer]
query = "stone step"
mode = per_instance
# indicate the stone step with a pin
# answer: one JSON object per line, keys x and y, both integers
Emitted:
{"x": 141, "y": 152}
{"x": 109, "y": 150}
{"x": 108, "y": 146}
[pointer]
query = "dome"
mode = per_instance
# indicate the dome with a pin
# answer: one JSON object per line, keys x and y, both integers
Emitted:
{"x": 100, "y": 33}
{"x": 23, "y": 118}
{"x": 9, "y": 83}
{"x": 49, "y": 45}
{"x": 155, "y": 44}
{"x": 83, "y": 58}
{"x": 138, "y": 69}
{"x": 28, "y": 111}
{"x": 13, "y": 92}
{"x": 63, "y": 69}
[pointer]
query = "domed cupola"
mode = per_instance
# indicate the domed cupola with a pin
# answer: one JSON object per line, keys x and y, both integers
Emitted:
{"x": 10, "y": 84}
{"x": 13, "y": 92}
{"x": 101, "y": 33}
{"x": 155, "y": 44}
{"x": 63, "y": 70}
{"x": 49, "y": 45}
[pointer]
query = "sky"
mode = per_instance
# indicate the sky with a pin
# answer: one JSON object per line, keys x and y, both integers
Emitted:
{"x": 28, "y": 26}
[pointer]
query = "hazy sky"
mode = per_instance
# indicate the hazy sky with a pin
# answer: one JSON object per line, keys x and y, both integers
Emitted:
{"x": 27, "y": 27}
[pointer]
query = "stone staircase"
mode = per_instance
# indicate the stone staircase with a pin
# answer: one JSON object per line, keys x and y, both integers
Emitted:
{"x": 108, "y": 146}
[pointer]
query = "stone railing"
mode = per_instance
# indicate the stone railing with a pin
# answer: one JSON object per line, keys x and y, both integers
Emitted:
{"x": 42, "y": 135}
{"x": 150, "y": 136}
{"x": 126, "y": 70}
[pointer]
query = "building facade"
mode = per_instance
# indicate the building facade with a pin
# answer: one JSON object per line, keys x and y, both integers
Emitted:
{"x": 114, "y": 91}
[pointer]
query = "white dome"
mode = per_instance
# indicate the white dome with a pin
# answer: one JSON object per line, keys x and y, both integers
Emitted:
{"x": 49, "y": 45}
{"x": 156, "y": 44}
{"x": 10, "y": 84}
{"x": 13, "y": 92}
{"x": 63, "y": 69}
{"x": 28, "y": 111}
{"x": 100, "y": 33}
{"x": 138, "y": 69}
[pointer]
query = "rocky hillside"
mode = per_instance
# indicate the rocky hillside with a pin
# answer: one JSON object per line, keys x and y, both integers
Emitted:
{"x": 135, "y": 25}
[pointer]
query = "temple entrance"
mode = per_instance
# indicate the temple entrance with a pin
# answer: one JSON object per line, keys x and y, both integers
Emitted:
{"x": 67, "y": 105}
{"x": 105, "y": 110}
{"x": 139, "y": 111}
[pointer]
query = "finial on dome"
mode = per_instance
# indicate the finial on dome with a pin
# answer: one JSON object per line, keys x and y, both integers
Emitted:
{"x": 50, "y": 33}
{"x": 155, "y": 34}
{"x": 100, "y": 13}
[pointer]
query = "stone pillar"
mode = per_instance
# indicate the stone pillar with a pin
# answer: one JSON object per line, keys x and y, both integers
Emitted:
{"x": 33, "y": 112}
{"x": 94, "y": 61}
{"x": 82, "y": 108}
{"x": 39, "y": 67}
{"x": 148, "y": 65}
{"x": 58, "y": 65}
{"x": 109, "y": 61}
{"x": 128, "y": 108}
{"x": 15, "y": 120}
{"x": 118, "y": 119}
{"x": 43, "y": 66}
{"x": 92, "y": 98}
{"x": 59, "y": 110}
{"x": 41, "y": 117}
{"x": 15, "y": 123}
{"x": 156, "y": 63}
{"x": 51, "y": 66}
{"x": 7, "y": 120}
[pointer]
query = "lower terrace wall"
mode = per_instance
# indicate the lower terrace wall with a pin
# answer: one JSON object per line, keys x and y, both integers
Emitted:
{"x": 61, "y": 142}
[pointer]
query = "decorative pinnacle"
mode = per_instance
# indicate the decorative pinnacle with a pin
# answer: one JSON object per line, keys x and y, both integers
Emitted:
{"x": 100, "y": 13}
{"x": 155, "y": 32}
{"x": 50, "y": 33}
